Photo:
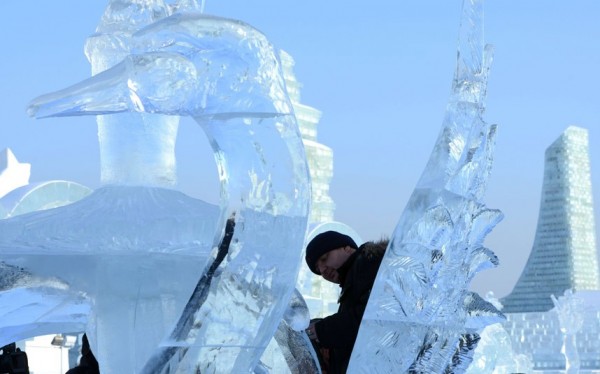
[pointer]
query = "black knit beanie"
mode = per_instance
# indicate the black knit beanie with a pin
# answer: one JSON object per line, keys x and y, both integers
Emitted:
{"x": 323, "y": 243}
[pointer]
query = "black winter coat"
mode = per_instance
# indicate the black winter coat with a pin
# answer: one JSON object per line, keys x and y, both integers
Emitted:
{"x": 338, "y": 331}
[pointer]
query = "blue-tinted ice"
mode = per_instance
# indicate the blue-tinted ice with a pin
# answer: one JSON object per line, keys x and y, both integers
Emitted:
{"x": 570, "y": 309}
{"x": 136, "y": 250}
{"x": 420, "y": 317}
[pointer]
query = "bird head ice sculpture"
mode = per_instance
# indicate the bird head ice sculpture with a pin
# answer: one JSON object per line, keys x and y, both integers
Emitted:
{"x": 226, "y": 75}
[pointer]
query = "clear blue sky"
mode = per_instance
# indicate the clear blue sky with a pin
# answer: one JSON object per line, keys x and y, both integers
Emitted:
{"x": 380, "y": 71}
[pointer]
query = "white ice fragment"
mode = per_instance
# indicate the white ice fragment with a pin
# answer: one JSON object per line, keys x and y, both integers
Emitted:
{"x": 13, "y": 174}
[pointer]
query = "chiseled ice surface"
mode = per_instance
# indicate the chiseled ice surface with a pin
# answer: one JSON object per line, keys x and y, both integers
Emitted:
{"x": 291, "y": 350}
{"x": 421, "y": 317}
{"x": 146, "y": 141}
{"x": 33, "y": 305}
{"x": 297, "y": 315}
{"x": 114, "y": 263}
{"x": 495, "y": 354}
{"x": 227, "y": 76}
{"x": 570, "y": 309}
{"x": 122, "y": 219}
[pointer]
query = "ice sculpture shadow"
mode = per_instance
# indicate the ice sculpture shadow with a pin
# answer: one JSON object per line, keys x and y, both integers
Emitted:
{"x": 421, "y": 318}
{"x": 226, "y": 75}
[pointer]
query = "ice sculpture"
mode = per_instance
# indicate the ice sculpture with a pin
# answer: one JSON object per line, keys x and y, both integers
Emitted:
{"x": 133, "y": 254}
{"x": 495, "y": 353}
{"x": 25, "y": 297}
{"x": 291, "y": 343}
{"x": 420, "y": 317}
{"x": 570, "y": 310}
{"x": 35, "y": 305}
{"x": 138, "y": 251}
{"x": 140, "y": 149}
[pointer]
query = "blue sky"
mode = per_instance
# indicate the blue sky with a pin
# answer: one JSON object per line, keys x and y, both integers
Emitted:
{"x": 380, "y": 71}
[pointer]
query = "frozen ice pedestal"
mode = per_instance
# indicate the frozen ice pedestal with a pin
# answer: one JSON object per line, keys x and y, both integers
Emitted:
{"x": 132, "y": 254}
{"x": 136, "y": 271}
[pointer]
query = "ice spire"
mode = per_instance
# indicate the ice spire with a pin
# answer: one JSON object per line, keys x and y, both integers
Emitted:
{"x": 420, "y": 317}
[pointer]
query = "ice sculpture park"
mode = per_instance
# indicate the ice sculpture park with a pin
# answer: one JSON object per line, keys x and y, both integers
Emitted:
{"x": 192, "y": 287}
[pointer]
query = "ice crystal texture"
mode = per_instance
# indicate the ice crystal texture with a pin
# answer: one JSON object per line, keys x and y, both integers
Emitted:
{"x": 570, "y": 310}
{"x": 185, "y": 286}
{"x": 421, "y": 318}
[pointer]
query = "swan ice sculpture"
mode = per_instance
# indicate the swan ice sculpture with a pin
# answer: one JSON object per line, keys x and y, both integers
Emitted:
{"x": 241, "y": 270}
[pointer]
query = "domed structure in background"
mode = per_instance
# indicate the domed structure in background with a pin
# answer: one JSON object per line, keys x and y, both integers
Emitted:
{"x": 18, "y": 196}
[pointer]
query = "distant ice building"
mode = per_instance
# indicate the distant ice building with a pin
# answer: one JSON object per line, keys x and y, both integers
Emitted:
{"x": 319, "y": 156}
{"x": 564, "y": 254}
{"x": 538, "y": 335}
{"x": 320, "y": 295}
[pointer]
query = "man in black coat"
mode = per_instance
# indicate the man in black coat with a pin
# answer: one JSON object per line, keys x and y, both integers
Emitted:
{"x": 338, "y": 259}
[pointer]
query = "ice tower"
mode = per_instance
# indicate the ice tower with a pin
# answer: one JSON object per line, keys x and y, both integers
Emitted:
{"x": 564, "y": 254}
{"x": 320, "y": 295}
{"x": 420, "y": 317}
{"x": 319, "y": 156}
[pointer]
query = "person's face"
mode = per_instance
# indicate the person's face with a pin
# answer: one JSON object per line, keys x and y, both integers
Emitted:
{"x": 330, "y": 262}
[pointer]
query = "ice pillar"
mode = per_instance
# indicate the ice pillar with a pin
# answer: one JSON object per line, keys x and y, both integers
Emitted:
{"x": 135, "y": 148}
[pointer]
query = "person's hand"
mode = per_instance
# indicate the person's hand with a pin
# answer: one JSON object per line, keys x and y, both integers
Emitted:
{"x": 312, "y": 332}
